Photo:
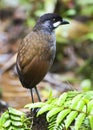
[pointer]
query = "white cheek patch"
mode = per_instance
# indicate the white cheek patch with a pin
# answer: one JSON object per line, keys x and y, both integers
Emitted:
{"x": 56, "y": 24}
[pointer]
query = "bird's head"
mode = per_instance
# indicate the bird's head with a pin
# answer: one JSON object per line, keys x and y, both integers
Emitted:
{"x": 50, "y": 21}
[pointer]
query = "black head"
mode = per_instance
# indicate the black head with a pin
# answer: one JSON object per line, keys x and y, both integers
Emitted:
{"x": 50, "y": 21}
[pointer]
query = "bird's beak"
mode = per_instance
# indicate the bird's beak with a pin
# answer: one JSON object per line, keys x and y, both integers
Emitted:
{"x": 56, "y": 24}
{"x": 64, "y": 22}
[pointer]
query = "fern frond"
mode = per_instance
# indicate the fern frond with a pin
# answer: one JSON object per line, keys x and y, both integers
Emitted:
{"x": 13, "y": 119}
{"x": 71, "y": 109}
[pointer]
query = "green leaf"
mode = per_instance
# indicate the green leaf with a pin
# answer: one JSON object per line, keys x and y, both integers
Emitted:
{"x": 80, "y": 105}
{"x": 15, "y": 112}
{"x": 51, "y": 125}
{"x": 45, "y": 108}
{"x": 62, "y": 99}
{"x": 79, "y": 120}
{"x": 16, "y": 123}
{"x": 16, "y": 118}
{"x": 52, "y": 112}
{"x": 88, "y": 95}
{"x": 62, "y": 115}
{"x": 7, "y": 124}
{"x": 52, "y": 101}
{"x": 35, "y": 105}
{"x": 84, "y": 109}
{"x": 91, "y": 112}
{"x": 21, "y": 129}
{"x": 4, "y": 118}
{"x": 90, "y": 106}
{"x": 67, "y": 104}
{"x": 13, "y": 121}
{"x": 10, "y": 128}
{"x": 91, "y": 121}
{"x": 72, "y": 93}
{"x": 75, "y": 101}
{"x": 2, "y": 128}
{"x": 70, "y": 118}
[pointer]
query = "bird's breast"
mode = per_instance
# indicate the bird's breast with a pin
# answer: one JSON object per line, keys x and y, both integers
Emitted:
{"x": 48, "y": 46}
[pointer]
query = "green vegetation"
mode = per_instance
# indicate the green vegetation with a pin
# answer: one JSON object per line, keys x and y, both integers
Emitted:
{"x": 71, "y": 111}
{"x": 13, "y": 119}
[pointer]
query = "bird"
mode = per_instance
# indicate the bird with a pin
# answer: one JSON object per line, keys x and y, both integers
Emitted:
{"x": 37, "y": 51}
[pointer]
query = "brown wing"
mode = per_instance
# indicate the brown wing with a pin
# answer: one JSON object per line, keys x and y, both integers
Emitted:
{"x": 31, "y": 65}
{"x": 34, "y": 72}
{"x": 26, "y": 50}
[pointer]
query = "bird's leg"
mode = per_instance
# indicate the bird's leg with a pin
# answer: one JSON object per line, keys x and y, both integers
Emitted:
{"x": 31, "y": 91}
{"x": 37, "y": 94}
